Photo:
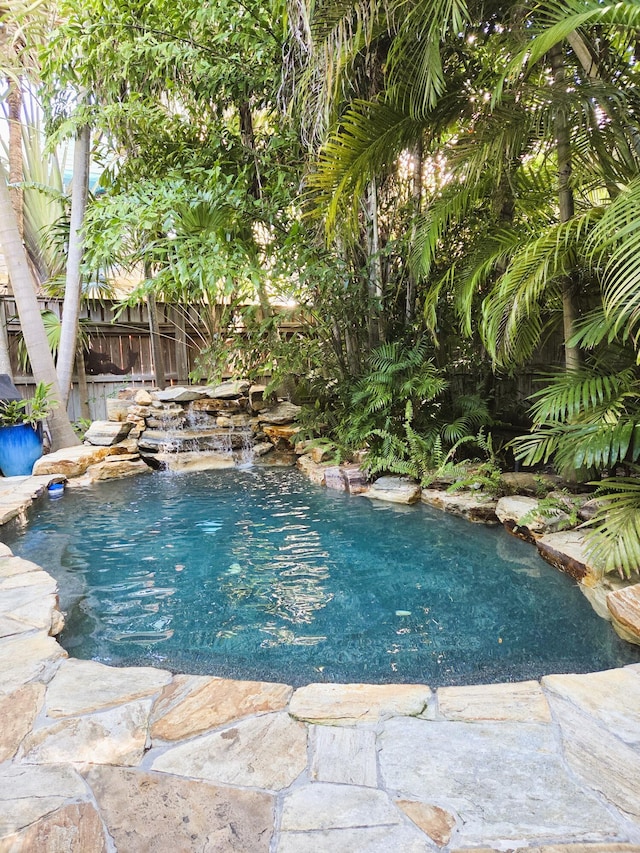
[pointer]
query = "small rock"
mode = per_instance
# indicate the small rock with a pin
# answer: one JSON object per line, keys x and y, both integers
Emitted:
{"x": 333, "y": 476}
{"x": 256, "y": 398}
{"x": 143, "y": 398}
{"x": 281, "y": 436}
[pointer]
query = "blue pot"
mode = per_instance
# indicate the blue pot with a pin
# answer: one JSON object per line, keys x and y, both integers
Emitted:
{"x": 20, "y": 447}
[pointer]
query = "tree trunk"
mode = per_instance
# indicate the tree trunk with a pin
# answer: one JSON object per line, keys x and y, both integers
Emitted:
{"x": 156, "y": 341}
{"x": 566, "y": 205}
{"x": 73, "y": 281}
{"x": 375, "y": 267}
{"x": 35, "y": 337}
{"x": 5, "y": 359}
{"x": 416, "y": 192}
{"x": 16, "y": 166}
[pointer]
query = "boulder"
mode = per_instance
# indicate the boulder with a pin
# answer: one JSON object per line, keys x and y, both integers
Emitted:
{"x": 116, "y": 467}
{"x": 106, "y": 433}
{"x": 312, "y": 470}
{"x": 283, "y": 413}
{"x": 227, "y": 390}
{"x": 143, "y": 397}
{"x": 519, "y": 516}
{"x": 399, "y": 490}
{"x": 256, "y": 398}
{"x": 566, "y": 551}
{"x": 179, "y": 394}
{"x": 528, "y": 483}
{"x": 117, "y": 410}
{"x": 624, "y": 606}
{"x": 355, "y": 479}
{"x": 281, "y": 436}
{"x": 71, "y": 461}
{"x": 474, "y": 506}
{"x": 333, "y": 477}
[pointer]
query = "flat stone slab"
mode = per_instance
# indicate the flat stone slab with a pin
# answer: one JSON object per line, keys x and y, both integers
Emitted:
{"x": 566, "y": 551}
{"x": 477, "y": 508}
{"x": 599, "y": 757}
{"x": 106, "y": 433}
{"x": 179, "y": 394}
{"x": 117, "y": 467}
{"x": 71, "y": 461}
{"x": 227, "y": 390}
{"x": 161, "y": 814}
{"x": 346, "y": 704}
{"x": 267, "y": 752}
{"x": 75, "y": 828}
{"x": 520, "y": 702}
{"x": 611, "y": 697}
{"x": 519, "y": 515}
{"x": 283, "y": 413}
{"x": 116, "y": 736}
{"x": 84, "y": 686}
{"x": 344, "y": 755}
{"x": 18, "y": 711}
{"x": 29, "y": 793}
{"x": 345, "y": 818}
{"x": 193, "y": 704}
{"x": 505, "y": 781}
{"x": 624, "y": 606}
{"x": 399, "y": 490}
{"x": 28, "y": 657}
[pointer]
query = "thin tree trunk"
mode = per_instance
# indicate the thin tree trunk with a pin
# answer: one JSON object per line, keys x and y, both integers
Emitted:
{"x": 375, "y": 267}
{"x": 35, "y": 337}
{"x": 156, "y": 341}
{"x": 416, "y": 192}
{"x": 5, "y": 358}
{"x": 73, "y": 281}
{"x": 83, "y": 387}
{"x": 566, "y": 205}
{"x": 16, "y": 165}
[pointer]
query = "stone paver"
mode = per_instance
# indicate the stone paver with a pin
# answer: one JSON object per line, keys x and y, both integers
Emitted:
{"x": 116, "y": 736}
{"x": 83, "y": 686}
{"x": 462, "y": 767}
{"x": 603, "y": 761}
{"x": 346, "y": 755}
{"x": 154, "y": 813}
{"x": 267, "y": 752}
{"x": 250, "y": 766}
{"x": 75, "y": 828}
{"x": 194, "y": 704}
{"x": 18, "y": 712}
{"x": 28, "y": 657}
{"x": 346, "y": 704}
{"x": 520, "y": 702}
{"x": 611, "y": 697}
{"x": 29, "y": 793}
{"x": 324, "y": 817}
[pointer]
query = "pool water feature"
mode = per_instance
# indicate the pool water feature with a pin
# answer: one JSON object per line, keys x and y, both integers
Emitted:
{"x": 258, "y": 574}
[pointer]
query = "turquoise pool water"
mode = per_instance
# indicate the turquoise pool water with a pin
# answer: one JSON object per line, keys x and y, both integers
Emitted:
{"x": 260, "y": 574}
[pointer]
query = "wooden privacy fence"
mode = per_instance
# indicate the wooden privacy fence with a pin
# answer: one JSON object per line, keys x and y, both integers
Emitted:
{"x": 181, "y": 336}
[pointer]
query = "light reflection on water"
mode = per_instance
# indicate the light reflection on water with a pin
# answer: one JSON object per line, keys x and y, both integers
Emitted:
{"x": 259, "y": 574}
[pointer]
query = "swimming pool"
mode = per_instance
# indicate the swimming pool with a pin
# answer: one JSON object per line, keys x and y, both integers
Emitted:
{"x": 259, "y": 574}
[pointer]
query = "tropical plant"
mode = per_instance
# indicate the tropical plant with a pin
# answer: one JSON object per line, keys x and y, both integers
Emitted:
{"x": 33, "y": 411}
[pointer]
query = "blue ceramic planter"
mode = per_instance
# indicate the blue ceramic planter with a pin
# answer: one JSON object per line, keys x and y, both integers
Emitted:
{"x": 20, "y": 447}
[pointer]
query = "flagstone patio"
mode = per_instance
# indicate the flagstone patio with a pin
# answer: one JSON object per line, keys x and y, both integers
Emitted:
{"x": 94, "y": 758}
